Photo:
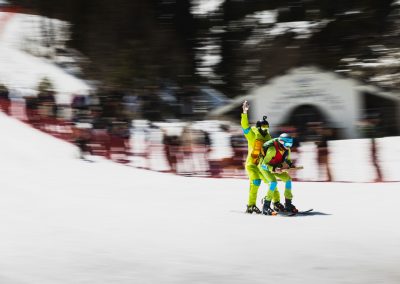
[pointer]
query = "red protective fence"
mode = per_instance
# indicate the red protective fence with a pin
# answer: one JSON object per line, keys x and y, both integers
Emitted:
{"x": 94, "y": 141}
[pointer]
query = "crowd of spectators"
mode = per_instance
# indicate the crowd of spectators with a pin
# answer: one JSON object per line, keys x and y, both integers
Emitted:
{"x": 103, "y": 124}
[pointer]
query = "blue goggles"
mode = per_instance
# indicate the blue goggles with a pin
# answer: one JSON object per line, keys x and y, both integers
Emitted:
{"x": 287, "y": 142}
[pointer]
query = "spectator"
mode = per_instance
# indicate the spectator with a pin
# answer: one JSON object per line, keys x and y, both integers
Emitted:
{"x": 31, "y": 109}
{"x": 239, "y": 147}
{"x": 171, "y": 148}
{"x": 119, "y": 141}
{"x": 47, "y": 106}
{"x": 82, "y": 137}
{"x": 4, "y": 99}
{"x": 370, "y": 128}
{"x": 130, "y": 103}
{"x": 79, "y": 108}
{"x": 320, "y": 134}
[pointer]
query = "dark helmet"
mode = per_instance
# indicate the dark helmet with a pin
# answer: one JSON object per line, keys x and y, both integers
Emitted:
{"x": 286, "y": 140}
{"x": 262, "y": 122}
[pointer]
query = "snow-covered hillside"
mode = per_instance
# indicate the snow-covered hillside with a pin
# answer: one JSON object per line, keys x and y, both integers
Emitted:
{"x": 64, "y": 220}
{"x": 21, "y": 71}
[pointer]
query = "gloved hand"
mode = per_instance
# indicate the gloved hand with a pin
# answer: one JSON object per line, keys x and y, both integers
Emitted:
{"x": 245, "y": 106}
{"x": 290, "y": 165}
{"x": 277, "y": 168}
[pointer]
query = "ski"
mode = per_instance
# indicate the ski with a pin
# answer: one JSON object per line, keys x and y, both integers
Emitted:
{"x": 291, "y": 214}
{"x": 280, "y": 214}
{"x": 86, "y": 160}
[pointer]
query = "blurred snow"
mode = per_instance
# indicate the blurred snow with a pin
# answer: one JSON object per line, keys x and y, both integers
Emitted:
{"x": 302, "y": 29}
{"x": 32, "y": 32}
{"x": 266, "y": 17}
{"x": 22, "y": 71}
{"x": 201, "y": 7}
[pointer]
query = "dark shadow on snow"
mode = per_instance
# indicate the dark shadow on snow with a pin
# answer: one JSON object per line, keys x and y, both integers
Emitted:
{"x": 312, "y": 213}
{"x": 305, "y": 214}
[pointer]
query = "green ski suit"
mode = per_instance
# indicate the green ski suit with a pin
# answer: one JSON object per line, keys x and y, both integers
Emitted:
{"x": 275, "y": 156}
{"x": 255, "y": 140}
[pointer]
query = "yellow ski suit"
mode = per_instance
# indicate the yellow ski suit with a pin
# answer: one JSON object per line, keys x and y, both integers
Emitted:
{"x": 255, "y": 141}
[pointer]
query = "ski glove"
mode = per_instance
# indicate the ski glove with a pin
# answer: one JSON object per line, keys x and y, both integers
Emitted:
{"x": 290, "y": 164}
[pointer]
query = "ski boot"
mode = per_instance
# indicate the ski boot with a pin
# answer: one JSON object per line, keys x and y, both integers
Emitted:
{"x": 278, "y": 207}
{"x": 289, "y": 207}
{"x": 252, "y": 208}
{"x": 267, "y": 210}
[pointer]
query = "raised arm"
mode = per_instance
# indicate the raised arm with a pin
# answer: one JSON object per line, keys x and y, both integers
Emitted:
{"x": 245, "y": 121}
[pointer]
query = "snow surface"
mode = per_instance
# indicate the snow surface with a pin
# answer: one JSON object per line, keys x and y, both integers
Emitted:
{"x": 69, "y": 221}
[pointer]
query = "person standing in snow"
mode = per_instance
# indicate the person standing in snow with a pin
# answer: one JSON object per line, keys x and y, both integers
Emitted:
{"x": 256, "y": 136}
{"x": 274, "y": 165}
{"x": 5, "y": 101}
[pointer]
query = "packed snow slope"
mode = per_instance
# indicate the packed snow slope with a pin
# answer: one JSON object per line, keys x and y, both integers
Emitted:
{"x": 69, "y": 221}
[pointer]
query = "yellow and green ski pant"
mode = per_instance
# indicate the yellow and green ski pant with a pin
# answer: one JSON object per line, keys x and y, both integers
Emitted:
{"x": 255, "y": 177}
{"x": 273, "y": 193}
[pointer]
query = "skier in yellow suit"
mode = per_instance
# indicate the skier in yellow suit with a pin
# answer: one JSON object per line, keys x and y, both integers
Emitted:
{"x": 273, "y": 165}
{"x": 256, "y": 136}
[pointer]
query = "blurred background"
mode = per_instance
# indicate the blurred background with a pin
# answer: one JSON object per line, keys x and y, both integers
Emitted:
{"x": 159, "y": 84}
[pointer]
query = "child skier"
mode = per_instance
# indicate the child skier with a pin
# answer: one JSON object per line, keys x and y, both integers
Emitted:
{"x": 275, "y": 164}
{"x": 256, "y": 136}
